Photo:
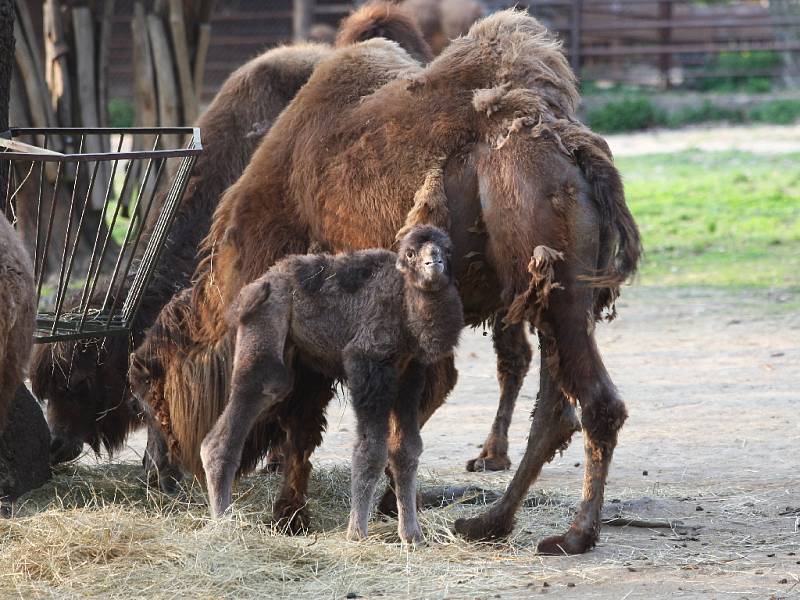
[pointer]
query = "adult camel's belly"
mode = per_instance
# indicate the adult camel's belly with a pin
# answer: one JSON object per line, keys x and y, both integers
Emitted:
{"x": 477, "y": 282}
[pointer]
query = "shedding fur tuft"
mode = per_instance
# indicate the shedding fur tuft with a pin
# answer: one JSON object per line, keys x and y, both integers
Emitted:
{"x": 430, "y": 205}
{"x": 530, "y": 304}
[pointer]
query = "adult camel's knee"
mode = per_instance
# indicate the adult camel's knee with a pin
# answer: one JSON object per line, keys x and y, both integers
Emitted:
{"x": 602, "y": 417}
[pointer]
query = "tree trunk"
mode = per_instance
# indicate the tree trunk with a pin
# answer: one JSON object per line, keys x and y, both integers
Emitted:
{"x": 303, "y": 15}
{"x": 6, "y": 65}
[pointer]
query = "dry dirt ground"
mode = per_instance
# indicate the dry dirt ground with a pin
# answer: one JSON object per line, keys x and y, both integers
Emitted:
{"x": 761, "y": 139}
{"x": 712, "y": 444}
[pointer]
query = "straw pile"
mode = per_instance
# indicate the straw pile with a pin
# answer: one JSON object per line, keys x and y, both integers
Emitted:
{"x": 102, "y": 532}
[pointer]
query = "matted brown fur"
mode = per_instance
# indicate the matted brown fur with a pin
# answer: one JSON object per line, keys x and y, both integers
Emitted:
{"x": 349, "y": 182}
{"x": 17, "y": 314}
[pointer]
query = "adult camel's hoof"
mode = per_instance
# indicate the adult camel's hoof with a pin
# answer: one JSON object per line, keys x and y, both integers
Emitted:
{"x": 571, "y": 543}
{"x": 489, "y": 463}
{"x": 483, "y": 528}
{"x": 291, "y": 517}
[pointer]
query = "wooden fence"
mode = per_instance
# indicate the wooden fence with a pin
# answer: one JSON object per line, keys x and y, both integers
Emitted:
{"x": 663, "y": 43}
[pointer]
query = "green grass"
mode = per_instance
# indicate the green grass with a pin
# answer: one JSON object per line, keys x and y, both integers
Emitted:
{"x": 722, "y": 219}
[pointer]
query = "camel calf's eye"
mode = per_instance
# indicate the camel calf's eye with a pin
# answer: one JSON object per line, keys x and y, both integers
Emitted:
{"x": 409, "y": 254}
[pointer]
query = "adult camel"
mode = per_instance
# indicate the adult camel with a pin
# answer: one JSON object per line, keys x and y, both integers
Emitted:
{"x": 483, "y": 143}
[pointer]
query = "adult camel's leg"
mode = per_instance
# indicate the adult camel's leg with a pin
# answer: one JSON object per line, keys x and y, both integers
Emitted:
{"x": 405, "y": 447}
{"x": 573, "y": 359}
{"x": 513, "y": 361}
{"x": 157, "y": 462}
{"x": 554, "y": 421}
{"x": 302, "y": 419}
{"x": 440, "y": 379}
{"x": 582, "y": 375}
{"x": 257, "y": 384}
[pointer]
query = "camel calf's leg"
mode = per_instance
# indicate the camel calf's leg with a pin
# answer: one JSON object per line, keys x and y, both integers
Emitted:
{"x": 405, "y": 447}
{"x": 259, "y": 381}
{"x": 554, "y": 421}
{"x": 373, "y": 389}
{"x": 513, "y": 361}
{"x": 256, "y": 386}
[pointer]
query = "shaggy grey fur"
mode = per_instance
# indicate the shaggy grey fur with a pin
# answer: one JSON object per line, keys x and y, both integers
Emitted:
{"x": 372, "y": 318}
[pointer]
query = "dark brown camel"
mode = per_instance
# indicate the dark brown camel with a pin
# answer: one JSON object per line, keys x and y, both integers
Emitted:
{"x": 17, "y": 315}
{"x": 483, "y": 143}
{"x": 371, "y": 318}
{"x": 85, "y": 383}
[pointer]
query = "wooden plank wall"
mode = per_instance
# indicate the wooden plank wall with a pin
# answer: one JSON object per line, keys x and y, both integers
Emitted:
{"x": 616, "y": 40}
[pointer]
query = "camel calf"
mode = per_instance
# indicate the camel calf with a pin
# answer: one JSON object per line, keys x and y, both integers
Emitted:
{"x": 372, "y": 318}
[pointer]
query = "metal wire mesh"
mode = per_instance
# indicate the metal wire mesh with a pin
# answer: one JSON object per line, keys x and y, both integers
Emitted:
{"x": 94, "y": 223}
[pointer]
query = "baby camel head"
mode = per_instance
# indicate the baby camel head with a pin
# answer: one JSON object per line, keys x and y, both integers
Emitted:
{"x": 424, "y": 258}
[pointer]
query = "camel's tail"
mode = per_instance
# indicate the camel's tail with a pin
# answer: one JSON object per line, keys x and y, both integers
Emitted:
{"x": 620, "y": 242}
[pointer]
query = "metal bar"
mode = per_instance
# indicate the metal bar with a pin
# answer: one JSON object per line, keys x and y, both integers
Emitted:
{"x": 124, "y": 243}
{"x": 156, "y": 242}
{"x": 61, "y": 283}
{"x": 77, "y": 240}
{"x": 7, "y": 202}
{"x": 140, "y": 229}
{"x": 655, "y": 23}
{"x": 99, "y": 267}
{"x": 665, "y": 38}
{"x": 49, "y": 231}
{"x": 37, "y": 249}
{"x": 99, "y": 130}
{"x": 105, "y": 156}
{"x": 687, "y": 49}
{"x": 195, "y": 148}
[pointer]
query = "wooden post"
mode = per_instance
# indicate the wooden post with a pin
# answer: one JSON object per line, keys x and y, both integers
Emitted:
{"x": 180, "y": 46}
{"x": 56, "y": 71}
{"x": 665, "y": 38}
{"x": 103, "y": 49}
{"x": 575, "y": 36}
{"x": 201, "y": 47}
{"x": 6, "y": 68}
{"x": 86, "y": 75}
{"x": 168, "y": 109}
{"x": 303, "y": 15}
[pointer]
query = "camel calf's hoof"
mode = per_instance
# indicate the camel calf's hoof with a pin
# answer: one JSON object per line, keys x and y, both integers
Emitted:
{"x": 489, "y": 463}
{"x": 354, "y": 533}
{"x": 483, "y": 528}
{"x": 571, "y": 543}
{"x": 412, "y": 537}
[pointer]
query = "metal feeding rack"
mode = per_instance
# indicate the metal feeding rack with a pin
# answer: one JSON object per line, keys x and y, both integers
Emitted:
{"x": 94, "y": 211}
